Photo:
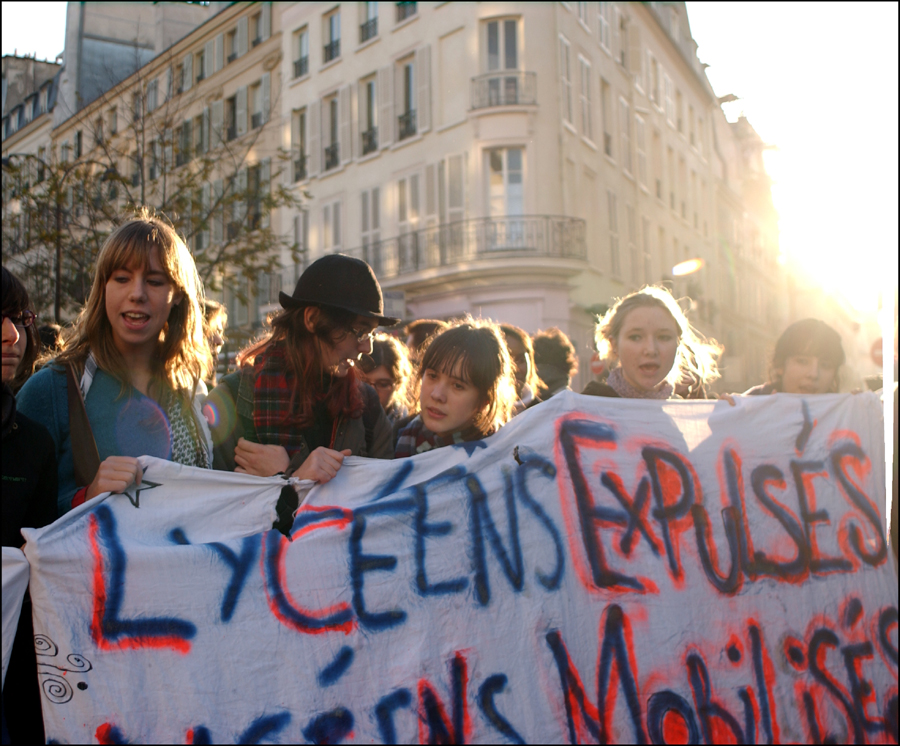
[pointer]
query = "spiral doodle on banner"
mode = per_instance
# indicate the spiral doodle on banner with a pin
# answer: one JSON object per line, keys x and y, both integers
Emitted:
{"x": 56, "y": 688}
{"x": 79, "y": 662}
{"x": 43, "y": 645}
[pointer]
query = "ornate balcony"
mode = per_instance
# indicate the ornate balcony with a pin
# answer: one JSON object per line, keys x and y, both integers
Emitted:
{"x": 301, "y": 67}
{"x": 368, "y": 30}
{"x": 300, "y": 168}
{"x": 406, "y": 125}
{"x": 510, "y": 88}
{"x": 474, "y": 240}
{"x": 332, "y": 51}
{"x": 332, "y": 157}
{"x": 370, "y": 141}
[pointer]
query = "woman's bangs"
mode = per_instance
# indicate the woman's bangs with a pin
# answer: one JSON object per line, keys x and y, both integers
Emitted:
{"x": 449, "y": 359}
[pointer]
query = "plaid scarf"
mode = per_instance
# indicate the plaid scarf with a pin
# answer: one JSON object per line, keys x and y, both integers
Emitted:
{"x": 272, "y": 390}
{"x": 624, "y": 389}
{"x": 416, "y": 438}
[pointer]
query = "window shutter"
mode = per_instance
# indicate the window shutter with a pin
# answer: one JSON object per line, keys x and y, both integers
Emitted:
{"x": 386, "y": 106}
{"x": 187, "y": 72}
{"x": 168, "y": 160}
{"x": 209, "y": 56}
{"x": 266, "y": 30}
{"x": 166, "y": 79}
{"x": 635, "y": 58}
{"x": 243, "y": 31}
{"x": 315, "y": 137}
{"x": 220, "y": 53}
{"x": 430, "y": 201}
{"x": 264, "y": 87}
{"x": 240, "y": 106}
{"x": 423, "y": 81}
{"x": 216, "y": 218}
{"x": 344, "y": 133}
{"x": 204, "y": 131}
{"x": 265, "y": 173}
{"x": 455, "y": 190}
{"x": 239, "y": 207}
{"x": 204, "y": 215}
{"x": 218, "y": 115}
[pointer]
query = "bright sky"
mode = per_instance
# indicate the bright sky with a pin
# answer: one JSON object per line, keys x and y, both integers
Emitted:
{"x": 820, "y": 82}
{"x": 817, "y": 80}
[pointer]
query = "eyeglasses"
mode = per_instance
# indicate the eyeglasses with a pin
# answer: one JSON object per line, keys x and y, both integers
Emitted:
{"x": 23, "y": 320}
{"x": 361, "y": 336}
{"x": 383, "y": 384}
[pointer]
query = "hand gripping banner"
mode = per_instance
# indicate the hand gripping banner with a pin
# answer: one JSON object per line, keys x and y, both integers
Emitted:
{"x": 599, "y": 570}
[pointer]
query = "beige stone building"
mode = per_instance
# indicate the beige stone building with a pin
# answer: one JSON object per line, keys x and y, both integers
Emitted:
{"x": 529, "y": 162}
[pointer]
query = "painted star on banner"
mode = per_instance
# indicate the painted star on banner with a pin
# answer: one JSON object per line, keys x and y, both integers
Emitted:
{"x": 137, "y": 489}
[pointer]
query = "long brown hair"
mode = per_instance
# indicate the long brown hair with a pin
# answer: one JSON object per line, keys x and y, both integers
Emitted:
{"x": 183, "y": 356}
{"x": 303, "y": 361}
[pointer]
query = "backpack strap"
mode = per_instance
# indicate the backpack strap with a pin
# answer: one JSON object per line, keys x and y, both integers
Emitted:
{"x": 85, "y": 456}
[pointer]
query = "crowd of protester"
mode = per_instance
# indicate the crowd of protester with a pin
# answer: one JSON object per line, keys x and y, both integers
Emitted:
{"x": 136, "y": 374}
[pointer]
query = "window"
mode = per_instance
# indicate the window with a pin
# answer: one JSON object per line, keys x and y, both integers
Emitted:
{"x": 136, "y": 105}
{"x": 506, "y": 193}
{"x": 230, "y": 118}
{"x": 700, "y": 136}
{"x": 408, "y": 220}
{"x": 78, "y": 145}
{"x": 301, "y": 47}
{"x": 256, "y": 29}
{"x": 614, "y": 261}
{"x": 583, "y": 15}
{"x": 682, "y": 187}
{"x": 301, "y": 239}
{"x": 632, "y": 244}
{"x": 501, "y": 46}
{"x": 368, "y": 29}
{"x": 694, "y": 200}
{"x": 566, "y": 73}
{"x": 200, "y": 132}
{"x": 607, "y": 114}
{"x": 259, "y": 102}
{"x": 370, "y": 226}
{"x": 332, "y": 36}
{"x": 670, "y": 162}
{"x": 670, "y": 100}
{"x": 368, "y": 112}
{"x": 625, "y": 127}
{"x": 332, "y": 150}
{"x": 405, "y": 10}
{"x": 153, "y": 147}
{"x": 654, "y": 81}
{"x": 331, "y": 227}
{"x": 43, "y": 99}
{"x": 407, "y": 120}
{"x": 255, "y": 186}
{"x": 656, "y": 154}
{"x": 98, "y": 131}
{"x": 185, "y": 143}
{"x": 691, "y": 135}
{"x": 200, "y": 65}
{"x": 113, "y": 119}
{"x": 152, "y": 95}
{"x": 645, "y": 238}
{"x": 623, "y": 41}
{"x": 603, "y": 19}
{"x": 679, "y": 112}
{"x": 298, "y": 136}
{"x": 640, "y": 136}
{"x": 231, "y": 45}
{"x": 585, "y": 97}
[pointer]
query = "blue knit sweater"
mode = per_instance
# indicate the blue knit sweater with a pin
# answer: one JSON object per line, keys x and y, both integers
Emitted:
{"x": 124, "y": 423}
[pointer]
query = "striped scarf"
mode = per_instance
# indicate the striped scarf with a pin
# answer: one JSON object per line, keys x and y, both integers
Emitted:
{"x": 416, "y": 438}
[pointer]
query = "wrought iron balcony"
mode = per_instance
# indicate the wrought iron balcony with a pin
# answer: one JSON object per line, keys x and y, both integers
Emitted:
{"x": 332, "y": 50}
{"x": 332, "y": 156}
{"x": 301, "y": 67}
{"x": 231, "y": 58}
{"x": 231, "y": 134}
{"x": 256, "y": 120}
{"x": 464, "y": 241}
{"x": 510, "y": 88}
{"x": 300, "y": 168}
{"x": 405, "y": 10}
{"x": 407, "y": 124}
{"x": 368, "y": 30}
{"x": 370, "y": 140}
{"x": 256, "y": 42}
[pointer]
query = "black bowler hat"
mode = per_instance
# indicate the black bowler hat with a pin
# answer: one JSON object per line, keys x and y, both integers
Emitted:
{"x": 340, "y": 281}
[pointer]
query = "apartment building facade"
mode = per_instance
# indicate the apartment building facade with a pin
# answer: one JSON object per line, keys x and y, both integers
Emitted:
{"x": 524, "y": 162}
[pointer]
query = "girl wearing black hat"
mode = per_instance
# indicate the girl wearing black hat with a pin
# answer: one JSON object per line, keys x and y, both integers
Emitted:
{"x": 298, "y": 405}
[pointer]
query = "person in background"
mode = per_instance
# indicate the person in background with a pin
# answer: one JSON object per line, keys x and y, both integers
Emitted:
{"x": 215, "y": 319}
{"x": 417, "y": 333}
{"x": 807, "y": 360}
{"x": 298, "y": 405}
{"x": 28, "y": 500}
{"x": 387, "y": 369}
{"x": 52, "y": 341}
{"x": 654, "y": 345}
{"x": 467, "y": 389}
{"x": 521, "y": 353}
{"x": 139, "y": 352}
{"x": 556, "y": 362}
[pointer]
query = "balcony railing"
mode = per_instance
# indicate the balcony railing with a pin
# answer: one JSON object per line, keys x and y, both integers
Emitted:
{"x": 300, "y": 168}
{"x": 509, "y": 88}
{"x": 368, "y": 30}
{"x": 405, "y": 10}
{"x": 256, "y": 42}
{"x": 332, "y": 50}
{"x": 256, "y": 120}
{"x": 332, "y": 156}
{"x": 480, "y": 238}
{"x": 301, "y": 67}
{"x": 407, "y": 124}
{"x": 231, "y": 134}
{"x": 370, "y": 140}
{"x": 231, "y": 58}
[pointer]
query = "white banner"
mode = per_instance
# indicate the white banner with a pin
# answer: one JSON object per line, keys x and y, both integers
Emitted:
{"x": 15, "y": 581}
{"x": 613, "y": 570}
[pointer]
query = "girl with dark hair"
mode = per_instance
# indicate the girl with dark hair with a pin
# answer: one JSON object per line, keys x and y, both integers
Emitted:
{"x": 521, "y": 353}
{"x": 29, "y": 499}
{"x": 135, "y": 356}
{"x": 655, "y": 346}
{"x": 388, "y": 370}
{"x": 807, "y": 360}
{"x": 556, "y": 361}
{"x": 467, "y": 389}
{"x": 298, "y": 405}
